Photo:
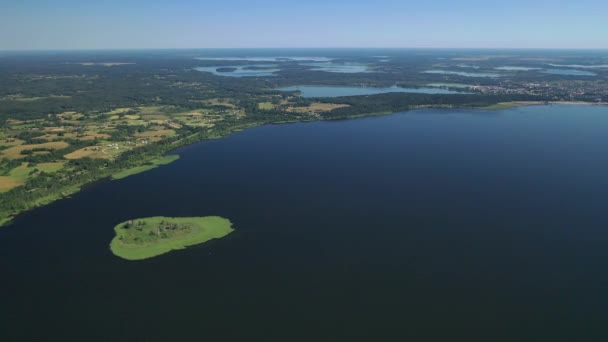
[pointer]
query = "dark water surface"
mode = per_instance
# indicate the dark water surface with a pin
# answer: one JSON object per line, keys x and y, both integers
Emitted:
{"x": 434, "y": 225}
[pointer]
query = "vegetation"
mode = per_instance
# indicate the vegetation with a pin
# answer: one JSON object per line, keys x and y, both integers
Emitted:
{"x": 507, "y": 105}
{"x": 154, "y": 163}
{"x": 93, "y": 119}
{"x": 149, "y": 237}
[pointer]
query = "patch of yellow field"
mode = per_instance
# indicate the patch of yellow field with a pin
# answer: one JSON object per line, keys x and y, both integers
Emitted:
{"x": 19, "y": 175}
{"x": 54, "y": 129}
{"x": 265, "y": 105}
{"x": 158, "y": 133}
{"x": 7, "y": 183}
{"x": 35, "y": 98}
{"x": 15, "y": 151}
{"x": 54, "y": 136}
{"x": 50, "y": 167}
{"x": 132, "y": 117}
{"x": 133, "y": 122}
{"x": 220, "y": 102}
{"x": 12, "y": 122}
{"x": 118, "y": 111}
{"x": 148, "y": 110}
{"x": 70, "y": 115}
{"x": 316, "y": 107}
{"x": 11, "y": 142}
{"x": 91, "y": 152}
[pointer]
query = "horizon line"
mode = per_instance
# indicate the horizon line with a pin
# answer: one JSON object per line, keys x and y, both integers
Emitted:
{"x": 303, "y": 48}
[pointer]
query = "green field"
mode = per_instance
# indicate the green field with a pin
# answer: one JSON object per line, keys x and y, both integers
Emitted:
{"x": 145, "y": 238}
{"x": 149, "y": 166}
{"x": 19, "y": 175}
{"x": 507, "y": 105}
{"x": 266, "y": 106}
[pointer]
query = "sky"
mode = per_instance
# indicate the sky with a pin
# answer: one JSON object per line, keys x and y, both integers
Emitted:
{"x": 135, "y": 24}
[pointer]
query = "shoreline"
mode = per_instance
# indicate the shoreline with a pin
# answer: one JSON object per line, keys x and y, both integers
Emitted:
{"x": 506, "y": 105}
{"x": 7, "y": 218}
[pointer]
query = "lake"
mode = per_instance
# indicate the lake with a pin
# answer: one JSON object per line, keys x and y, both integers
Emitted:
{"x": 515, "y": 68}
{"x": 462, "y": 73}
{"x": 242, "y": 71}
{"x": 440, "y": 225}
{"x": 336, "y": 91}
{"x": 569, "y": 72}
{"x": 581, "y": 66}
{"x": 268, "y": 59}
{"x": 348, "y": 68}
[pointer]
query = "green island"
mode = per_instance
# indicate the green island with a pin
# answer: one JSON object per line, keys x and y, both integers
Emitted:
{"x": 149, "y": 237}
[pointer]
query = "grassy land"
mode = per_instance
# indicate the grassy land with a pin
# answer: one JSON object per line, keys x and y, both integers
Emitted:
{"x": 265, "y": 105}
{"x": 7, "y": 183}
{"x": 19, "y": 175}
{"x": 91, "y": 152}
{"x": 149, "y": 237}
{"x": 317, "y": 107}
{"x": 149, "y": 166}
{"x": 15, "y": 151}
{"x": 507, "y": 105}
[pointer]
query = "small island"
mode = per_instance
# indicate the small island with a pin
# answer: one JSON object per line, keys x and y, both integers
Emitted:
{"x": 145, "y": 238}
{"x": 227, "y": 69}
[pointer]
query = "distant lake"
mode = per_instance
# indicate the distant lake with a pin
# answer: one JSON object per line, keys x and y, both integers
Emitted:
{"x": 242, "y": 71}
{"x": 462, "y": 73}
{"x": 515, "y": 68}
{"x": 338, "y": 67}
{"x": 569, "y": 72}
{"x": 468, "y": 66}
{"x": 448, "y": 85}
{"x": 580, "y": 66}
{"x": 267, "y": 59}
{"x": 336, "y": 91}
{"x": 429, "y": 225}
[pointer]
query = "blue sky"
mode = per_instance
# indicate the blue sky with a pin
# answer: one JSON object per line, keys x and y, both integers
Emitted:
{"x": 83, "y": 24}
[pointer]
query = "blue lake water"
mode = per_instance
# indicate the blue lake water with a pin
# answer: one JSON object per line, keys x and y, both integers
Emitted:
{"x": 336, "y": 91}
{"x": 569, "y": 72}
{"x": 462, "y": 73}
{"x": 468, "y": 66}
{"x": 449, "y": 85}
{"x": 241, "y": 70}
{"x": 431, "y": 225}
{"x": 581, "y": 66}
{"x": 516, "y": 68}
{"x": 338, "y": 67}
{"x": 267, "y": 59}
